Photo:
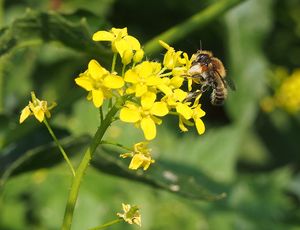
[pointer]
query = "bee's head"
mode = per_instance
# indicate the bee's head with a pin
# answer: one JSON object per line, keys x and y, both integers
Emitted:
{"x": 203, "y": 59}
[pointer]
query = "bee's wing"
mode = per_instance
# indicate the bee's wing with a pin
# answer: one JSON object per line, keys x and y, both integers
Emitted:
{"x": 227, "y": 82}
{"x": 230, "y": 83}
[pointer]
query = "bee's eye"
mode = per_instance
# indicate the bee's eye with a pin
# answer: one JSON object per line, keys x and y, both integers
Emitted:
{"x": 202, "y": 58}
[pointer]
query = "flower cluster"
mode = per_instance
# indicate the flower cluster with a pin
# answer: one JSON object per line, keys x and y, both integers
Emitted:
{"x": 287, "y": 95}
{"x": 131, "y": 214}
{"x": 38, "y": 108}
{"x": 141, "y": 156}
{"x": 150, "y": 90}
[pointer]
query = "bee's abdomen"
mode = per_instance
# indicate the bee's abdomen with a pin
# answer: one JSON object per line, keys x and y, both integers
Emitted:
{"x": 218, "y": 95}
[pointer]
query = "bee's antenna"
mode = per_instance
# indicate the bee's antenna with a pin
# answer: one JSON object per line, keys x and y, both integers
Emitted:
{"x": 200, "y": 43}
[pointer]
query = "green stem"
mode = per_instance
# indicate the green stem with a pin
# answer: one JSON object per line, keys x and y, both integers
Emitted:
{"x": 113, "y": 65}
{"x": 107, "y": 224}
{"x": 116, "y": 144}
{"x": 73, "y": 194}
{"x": 60, "y": 147}
{"x": 123, "y": 70}
{"x": 185, "y": 28}
{"x": 101, "y": 114}
{"x": 1, "y": 12}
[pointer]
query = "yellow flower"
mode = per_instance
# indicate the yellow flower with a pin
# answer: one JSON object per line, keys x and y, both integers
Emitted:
{"x": 36, "y": 107}
{"x": 288, "y": 94}
{"x": 144, "y": 116}
{"x": 197, "y": 113}
{"x": 143, "y": 78}
{"x": 119, "y": 38}
{"x": 131, "y": 215}
{"x": 177, "y": 61}
{"x": 141, "y": 156}
{"x": 176, "y": 100}
{"x": 99, "y": 82}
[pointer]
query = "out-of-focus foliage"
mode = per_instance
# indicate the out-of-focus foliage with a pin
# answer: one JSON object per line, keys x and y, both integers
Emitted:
{"x": 250, "y": 155}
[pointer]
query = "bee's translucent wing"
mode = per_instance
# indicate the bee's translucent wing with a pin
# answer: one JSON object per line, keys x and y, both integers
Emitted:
{"x": 230, "y": 83}
{"x": 227, "y": 82}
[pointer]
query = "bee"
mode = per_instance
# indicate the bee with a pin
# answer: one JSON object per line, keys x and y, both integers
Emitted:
{"x": 209, "y": 71}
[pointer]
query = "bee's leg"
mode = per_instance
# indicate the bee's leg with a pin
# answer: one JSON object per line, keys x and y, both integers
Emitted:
{"x": 192, "y": 95}
{"x": 204, "y": 87}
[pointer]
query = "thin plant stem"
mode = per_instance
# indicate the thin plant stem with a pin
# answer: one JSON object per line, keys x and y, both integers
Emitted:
{"x": 83, "y": 165}
{"x": 185, "y": 28}
{"x": 116, "y": 144}
{"x": 101, "y": 114}
{"x": 123, "y": 70}
{"x": 113, "y": 65}
{"x": 60, "y": 147}
{"x": 107, "y": 224}
{"x": 2, "y": 75}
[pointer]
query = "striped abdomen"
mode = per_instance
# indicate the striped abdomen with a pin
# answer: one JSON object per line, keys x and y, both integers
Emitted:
{"x": 219, "y": 92}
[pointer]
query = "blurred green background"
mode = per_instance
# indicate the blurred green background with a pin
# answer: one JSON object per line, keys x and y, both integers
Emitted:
{"x": 251, "y": 155}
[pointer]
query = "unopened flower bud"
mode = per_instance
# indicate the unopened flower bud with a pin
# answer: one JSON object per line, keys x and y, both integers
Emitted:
{"x": 138, "y": 56}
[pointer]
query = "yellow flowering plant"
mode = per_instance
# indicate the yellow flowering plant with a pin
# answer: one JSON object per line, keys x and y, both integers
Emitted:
{"x": 141, "y": 92}
{"x": 287, "y": 92}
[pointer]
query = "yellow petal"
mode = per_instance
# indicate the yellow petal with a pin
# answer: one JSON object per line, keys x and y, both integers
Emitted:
{"x": 200, "y": 126}
{"x": 144, "y": 69}
{"x": 130, "y": 115}
{"x": 180, "y": 95}
{"x": 39, "y": 114}
{"x": 96, "y": 70}
{"x": 177, "y": 81}
{"x": 140, "y": 90}
{"x": 103, "y": 36}
{"x": 121, "y": 46}
{"x": 138, "y": 56}
{"x": 165, "y": 89}
{"x": 97, "y": 98}
{"x": 184, "y": 110}
{"x": 113, "y": 82}
{"x": 127, "y": 57}
{"x": 24, "y": 114}
{"x": 120, "y": 33}
{"x": 84, "y": 82}
{"x": 147, "y": 100}
{"x": 149, "y": 128}
{"x": 136, "y": 161}
{"x": 131, "y": 76}
{"x": 190, "y": 82}
{"x": 153, "y": 80}
{"x": 181, "y": 125}
{"x": 133, "y": 42}
{"x": 159, "y": 109}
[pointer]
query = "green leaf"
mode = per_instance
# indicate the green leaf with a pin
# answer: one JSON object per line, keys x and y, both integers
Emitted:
{"x": 36, "y": 27}
{"x": 177, "y": 178}
{"x": 183, "y": 181}
{"x": 248, "y": 66}
{"x": 39, "y": 157}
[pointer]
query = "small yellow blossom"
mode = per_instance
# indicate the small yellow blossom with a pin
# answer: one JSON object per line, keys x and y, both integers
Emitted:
{"x": 131, "y": 214}
{"x": 141, "y": 156}
{"x": 176, "y": 100}
{"x": 143, "y": 77}
{"x": 119, "y": 38}
{"x": 36, "y": 107}
{"x": 197, "y": 113}
{"x": 138, "y": 56}
{"x": 99, "y": 82}
{"x": 144, "y": 116}
{"x": 288, "y": 94}
{"x": 178, "y": 62}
